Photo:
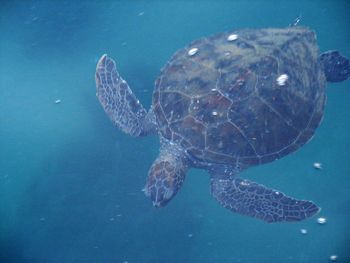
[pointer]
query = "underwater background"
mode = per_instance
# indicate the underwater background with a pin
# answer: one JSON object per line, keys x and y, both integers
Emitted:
{"x": 70, "y": 182}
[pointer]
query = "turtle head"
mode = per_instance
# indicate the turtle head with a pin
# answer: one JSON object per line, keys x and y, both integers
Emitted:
{"x": 165, "y": 178}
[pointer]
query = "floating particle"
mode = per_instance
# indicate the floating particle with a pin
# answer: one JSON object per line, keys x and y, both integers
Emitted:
{"x": 58, "y": 101}
{"x": 321, "y": 220}
{"x": 333, "y": 258}
{"x": 318, "y": 166}
{"x": 303, "y": 231}
{"x": 192, "y": 51}
{"x": 281, "y": 80}
{"x": 190, "y": 235}
{"x": 214, "y": 113}
{"x": 232, "y": 37}
{"x": 141, "y": 13}
{"x": 296, "y": 21}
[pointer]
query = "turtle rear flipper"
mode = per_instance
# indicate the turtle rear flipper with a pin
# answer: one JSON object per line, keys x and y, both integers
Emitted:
{"x": 336, "y": 67}
{"x": 118, "y": 101}
{"x": 255, "y": 200}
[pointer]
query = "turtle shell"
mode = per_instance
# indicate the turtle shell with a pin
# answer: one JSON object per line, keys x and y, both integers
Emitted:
{"x": 244, "y": 97}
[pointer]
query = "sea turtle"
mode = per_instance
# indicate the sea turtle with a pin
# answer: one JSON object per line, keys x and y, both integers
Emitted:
{"x": 225, "y": 103}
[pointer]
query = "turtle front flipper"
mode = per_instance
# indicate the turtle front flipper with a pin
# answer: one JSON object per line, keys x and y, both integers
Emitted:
{"x": 336, "y": 67}
{"x": 118, "y": 101}
{"x": 166, "y": 175}
{"x": 255, "y": 200}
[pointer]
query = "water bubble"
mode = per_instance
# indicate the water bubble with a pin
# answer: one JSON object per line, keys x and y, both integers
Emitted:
{"x": 317, "y": 166}
{"x": 321, "y": 220}
{"x": 303, "y": 231}
{"x": 333, "y": 258}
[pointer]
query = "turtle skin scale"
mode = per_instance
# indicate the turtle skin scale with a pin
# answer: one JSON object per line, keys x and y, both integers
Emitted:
{"x": 224, "y": 104}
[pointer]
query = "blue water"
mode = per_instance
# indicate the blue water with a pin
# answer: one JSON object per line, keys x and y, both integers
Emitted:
{"x": 70, "y": 183}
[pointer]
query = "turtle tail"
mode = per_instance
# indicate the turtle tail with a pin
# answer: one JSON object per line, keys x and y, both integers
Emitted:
{"x": 336, "y": 67}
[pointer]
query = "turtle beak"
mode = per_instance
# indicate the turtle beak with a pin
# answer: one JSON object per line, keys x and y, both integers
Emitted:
{"x": 164, "y": 179}
{"x": 159, "y": 194}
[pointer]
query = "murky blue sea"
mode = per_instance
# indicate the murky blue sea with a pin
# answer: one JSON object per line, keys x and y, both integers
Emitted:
{"x": 70, "y": 182}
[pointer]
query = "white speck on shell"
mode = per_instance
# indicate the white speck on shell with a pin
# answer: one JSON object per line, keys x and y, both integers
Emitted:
{"x": 192, "y": 51}
{"x": 245, "y": 183}
{"x": 281, "y": 80}
{"x": 214, "y": 113}
{"x": 220, "y": 144}
{"x": 232, "y": 37}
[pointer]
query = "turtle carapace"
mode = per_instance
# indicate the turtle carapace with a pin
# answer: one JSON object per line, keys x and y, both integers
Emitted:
{"x": 225, "y": 103}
